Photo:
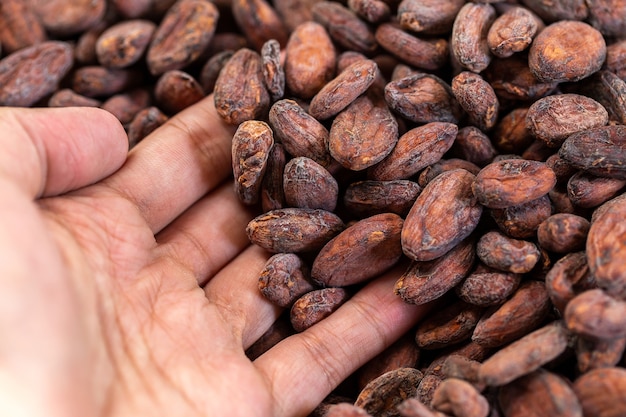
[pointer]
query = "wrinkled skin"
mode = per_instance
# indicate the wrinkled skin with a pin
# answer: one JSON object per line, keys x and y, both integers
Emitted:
{"x": 128, "y": 286}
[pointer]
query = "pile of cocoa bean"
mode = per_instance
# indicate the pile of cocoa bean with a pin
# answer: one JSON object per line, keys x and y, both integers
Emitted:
{"x": 479, "y": 145}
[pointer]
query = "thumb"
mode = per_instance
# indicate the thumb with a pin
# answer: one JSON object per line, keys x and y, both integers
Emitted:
{"x": 49, "y": 151}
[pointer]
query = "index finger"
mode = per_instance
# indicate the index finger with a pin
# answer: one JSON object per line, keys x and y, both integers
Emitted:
{"x": 176, "y": 164}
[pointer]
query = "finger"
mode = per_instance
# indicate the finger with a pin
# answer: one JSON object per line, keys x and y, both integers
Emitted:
{"x": 234, "y": 290}
{"x": 49, "y": 151}
{"x": 208, "y": 235}
{"x": 176, "y": 164}
{"x": 306, "y": 367}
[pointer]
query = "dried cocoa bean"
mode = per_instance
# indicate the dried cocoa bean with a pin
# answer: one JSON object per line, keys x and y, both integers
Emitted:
{"x": 293, "y": 229}
{"x": 382, "y": 395}
{"x": 284, "y": 278}
{"x": 414, "y": 151}
{"x": 601, "y": 392}
{"x": 424, "y": 281}
{"x": 546, "y": 55}
{"x": 30, "y": 74}
{"x": 315, "y": 306}
{"x": 504, "y": 253}
{"x": 522, "y": 313}
{"x": 525, "y": 355}
{"x": 373, "y": 241}
{"x": 369, "y": 197}
{"x": 362, "y": 134}
{"x": 182, "y": 35}
{"x": 512, "y": 182}
{"x": 446, "y": 200}
{"x": 339, "y": 92}
{"x": 307, "y": 184}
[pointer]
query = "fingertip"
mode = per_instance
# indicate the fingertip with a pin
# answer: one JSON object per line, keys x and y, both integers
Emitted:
{"x": 95, "y": 146}
{"x": 70, "y": 148}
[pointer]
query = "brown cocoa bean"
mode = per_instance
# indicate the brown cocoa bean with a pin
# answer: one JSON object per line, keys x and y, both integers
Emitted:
{"x": 428, "y": 54}
{"x": 428, "y": 16}
{"x": 414, "y": 151}
{"x": 211, "y": 70}
{"x": 487, "y": 287}
{"x": 64, "y": 18}
{"x": 182, "y": 35}
{"x": 525, "y": 355}
{"x": 373, "y": 241}
{"x": 124, "y": 43}
{"x": 293, "y": 230}
{"x": 315, "y": 306}
{"x": 453, "y": 324}
{"x": 594, "y": 313}
{"x": 412, "y": 407}
{"x": 469, "y": 36}
{"x": 310, "y": 58}
{"x": 20, "y": 26}
{"x": 382, "y": 395}
{"x": 512, "y": 182}
{"x": 563, "y": 233}
{"x": 307, "y": 184}
{"x": 510, "y": 134}
{"x": 599, "y": 151}
{"x": 299, "y": 132}
{"x": 446, "y": 200}
{"x": 344, "y": 26}
{"x": 444, "y": 165}
{"x": 586, "y": 190}
{"x": 605, "y": 247}
{"x": 144, "y": 123}
{"x": 522, "y": 221}
{"x": 460, "y": 398}
{"x": 607, "y": 16}
{"x": 273, "y": 72}
{"x": 522, "y": 313}
{"x": 477, "y": 98}
{"x": 559, "y": 9}
{"x": 540, "y": 393}
{"x": 284, "y": 278}
{"x": 568, "y": 277}
{"x": 373, "y": 11}
{"x": 259, "y": 22}
{"x": 362, "y": 134}
{"x": 67, "y": 97}
{"x": 594, "y": 353}
{"x": 568, "y": 38}
{"x": 342, "y": 90}
{"x": 240, "y": 93}
{"x": 424, "y": 281}
{"x": 176, "y": 90}
{"x": 251, "y": 145}
{"x": 97, "y": 81}
{"x": 126, "y": 105}
{"x": 553, "y": 119}
{"x": 601, "y": 392}
{"x": 30, "y": 74}
{"x": 504, "y": 253}
{"x": 369, "y": 197}
{"x": 512, "y": 31}
{"x": 473, "y": 145}
{"x": 423, "y": 98}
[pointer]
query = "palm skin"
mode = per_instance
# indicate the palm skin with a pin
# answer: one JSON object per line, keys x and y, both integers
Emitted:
{"x": 129, "y": 288}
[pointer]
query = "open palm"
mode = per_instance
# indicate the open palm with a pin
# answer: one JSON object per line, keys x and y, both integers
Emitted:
{"x": 128, "y": 286}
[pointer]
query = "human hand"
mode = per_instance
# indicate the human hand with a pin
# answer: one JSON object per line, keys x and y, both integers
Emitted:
{"x": 128, "y": 286}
